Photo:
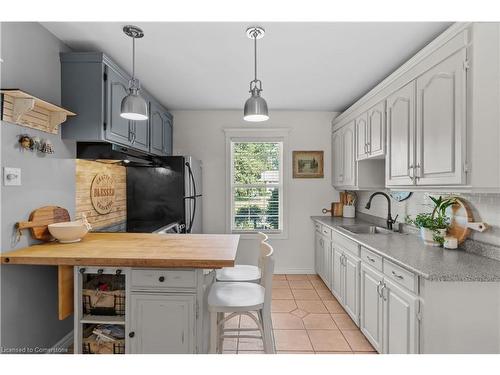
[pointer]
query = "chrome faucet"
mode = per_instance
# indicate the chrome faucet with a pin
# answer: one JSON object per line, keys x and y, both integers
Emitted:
{"x": 390, "y": 220}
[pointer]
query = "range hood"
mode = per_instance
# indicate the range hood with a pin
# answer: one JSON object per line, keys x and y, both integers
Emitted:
{"x": 108, "y": 151}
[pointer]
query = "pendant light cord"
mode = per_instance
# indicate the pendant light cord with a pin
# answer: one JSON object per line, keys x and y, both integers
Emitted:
{"x": 255, "y": 53}
{"x": 133, "y": 57}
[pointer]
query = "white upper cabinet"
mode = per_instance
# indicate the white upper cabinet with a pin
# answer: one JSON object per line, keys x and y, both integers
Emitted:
{"x": 343, "y": 153}
{"x": 401, "y": 136}
{"x": 337, "y": 164}
{"x": 441, "y": 120}
{"x": 376, "y": 131}
{"x": 348, "y": 142}
{"x": 361, "y": 137}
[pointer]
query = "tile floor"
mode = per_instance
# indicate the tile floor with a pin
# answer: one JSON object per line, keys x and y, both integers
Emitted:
{"x": 306, "y": 319}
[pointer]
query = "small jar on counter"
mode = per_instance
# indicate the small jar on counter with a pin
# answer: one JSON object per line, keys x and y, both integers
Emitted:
{"x": 450, "y": 242}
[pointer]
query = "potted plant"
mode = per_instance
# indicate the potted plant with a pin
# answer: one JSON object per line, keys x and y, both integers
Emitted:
{"x": 433, "y": 225}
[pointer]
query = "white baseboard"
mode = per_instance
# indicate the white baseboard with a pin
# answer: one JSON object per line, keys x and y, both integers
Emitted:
{"x": 62, "y": 345}
{"x": 294, "y": 271}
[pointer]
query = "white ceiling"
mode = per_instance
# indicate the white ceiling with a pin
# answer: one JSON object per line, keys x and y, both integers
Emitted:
{"x": 303, "y": 66}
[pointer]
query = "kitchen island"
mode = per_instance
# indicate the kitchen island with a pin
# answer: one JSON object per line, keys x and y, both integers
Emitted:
{"x": 160, "y": 304}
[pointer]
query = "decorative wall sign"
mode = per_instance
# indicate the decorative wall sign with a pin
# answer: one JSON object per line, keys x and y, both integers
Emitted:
{"x": 102, "y": 193}
{"x": 308, "y": 164}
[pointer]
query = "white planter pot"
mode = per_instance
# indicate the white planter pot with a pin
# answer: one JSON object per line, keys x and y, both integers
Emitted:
{"x": 428, "y": 234}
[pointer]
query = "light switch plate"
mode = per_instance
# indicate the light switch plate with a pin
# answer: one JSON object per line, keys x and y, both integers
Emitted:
{"x": 11, "y": 176}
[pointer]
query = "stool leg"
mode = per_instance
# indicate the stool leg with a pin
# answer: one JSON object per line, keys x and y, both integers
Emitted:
{"x": 213, "y": 333}
{"x": 220, "y": 332}
{"x": 268, "y": 336}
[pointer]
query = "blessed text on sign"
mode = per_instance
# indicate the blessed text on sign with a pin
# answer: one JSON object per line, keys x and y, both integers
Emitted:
{"x": 102, "y": 193}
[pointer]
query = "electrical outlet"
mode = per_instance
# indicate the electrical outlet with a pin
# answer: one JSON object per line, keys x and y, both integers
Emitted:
{"x": 11, "y": 176}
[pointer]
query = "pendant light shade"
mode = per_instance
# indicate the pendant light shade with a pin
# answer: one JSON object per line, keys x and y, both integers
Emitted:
{"x": 133, "y": 106}
{"x": 255, "y": 109}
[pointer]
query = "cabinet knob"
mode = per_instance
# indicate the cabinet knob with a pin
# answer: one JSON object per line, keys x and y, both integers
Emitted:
{"x": 118, "y": 272}
{"x": 161, "y": 279}
{"x": 100, "y": 271}
{"x": 131, "y": 334}
{"x": 82, "y": 270}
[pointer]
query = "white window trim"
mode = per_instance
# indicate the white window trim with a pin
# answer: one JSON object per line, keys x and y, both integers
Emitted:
{"x": 259, "y": 135}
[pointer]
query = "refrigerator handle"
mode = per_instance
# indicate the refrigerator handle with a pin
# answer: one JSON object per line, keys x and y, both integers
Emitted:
{"x": 188, "y": 228}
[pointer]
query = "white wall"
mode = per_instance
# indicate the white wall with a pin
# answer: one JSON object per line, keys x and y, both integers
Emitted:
{"x": 200, "y": 134}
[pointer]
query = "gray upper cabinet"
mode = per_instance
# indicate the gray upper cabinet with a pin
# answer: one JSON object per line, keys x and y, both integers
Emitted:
{"x": 94, "y": 86}
{"x": 161, "y": 130}
{"x": 117, "y": 128}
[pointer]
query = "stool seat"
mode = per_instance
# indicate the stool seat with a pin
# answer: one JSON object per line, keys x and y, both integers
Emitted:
{"x": 235, "y": 296}
{"x": 240, "y": 272}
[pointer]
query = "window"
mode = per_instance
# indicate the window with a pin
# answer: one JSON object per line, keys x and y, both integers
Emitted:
{"x": 256, "y": 185}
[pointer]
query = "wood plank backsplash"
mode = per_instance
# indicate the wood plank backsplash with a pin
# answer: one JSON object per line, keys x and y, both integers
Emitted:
{"x": 86, "y": 170}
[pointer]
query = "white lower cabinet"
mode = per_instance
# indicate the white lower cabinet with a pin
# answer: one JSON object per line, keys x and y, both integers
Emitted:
{"x": 162, "y": 323}
{"x": 345, "y": 280}
{"x": 351, "y": 286}
{"x": 388, "y": 315}
{"x": 323, "y": 258}
{"x": 337, "y": 277}
{"x": 400, "y": 320}
{"x": 318, "y": 254}
{"x": 371, "y": 308}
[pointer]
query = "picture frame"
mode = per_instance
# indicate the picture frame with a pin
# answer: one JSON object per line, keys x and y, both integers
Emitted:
{"x": 308, "y": 164}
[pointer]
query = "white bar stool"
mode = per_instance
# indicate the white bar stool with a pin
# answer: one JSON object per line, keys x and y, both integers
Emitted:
{"x": 243, "y": 272}
{"x": 242, "y": 298}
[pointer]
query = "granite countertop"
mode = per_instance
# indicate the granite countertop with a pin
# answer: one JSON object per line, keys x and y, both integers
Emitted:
{"x": 408, "y": 251}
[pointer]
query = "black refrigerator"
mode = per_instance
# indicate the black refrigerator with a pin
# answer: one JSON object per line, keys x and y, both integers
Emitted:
{"x": 164, "y": 196}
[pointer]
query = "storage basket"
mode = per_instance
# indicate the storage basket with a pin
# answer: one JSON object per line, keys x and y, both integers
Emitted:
{"x": 97, "y": 302}
{"x": 93, "y": 346}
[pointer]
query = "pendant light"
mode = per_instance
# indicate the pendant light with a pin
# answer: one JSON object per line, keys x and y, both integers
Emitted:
{"x": 255, "y": 107}
{"x": 134, "y": 107}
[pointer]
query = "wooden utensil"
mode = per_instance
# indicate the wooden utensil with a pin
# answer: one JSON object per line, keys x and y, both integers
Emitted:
{"x": 40, "y": 219}
{"x": 462, "y": 221}
{"x": 331, "y": 210}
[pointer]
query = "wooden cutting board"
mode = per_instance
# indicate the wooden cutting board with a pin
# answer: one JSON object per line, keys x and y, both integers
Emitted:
{"x": 462, "y": 221}
{"x": 40, "y": 219}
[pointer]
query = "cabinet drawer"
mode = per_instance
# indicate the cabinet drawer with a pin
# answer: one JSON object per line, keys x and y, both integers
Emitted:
{"x": 326, "y": 231}
{"x": 400, "y": 275}
{"x": 371, "y": 258}
{"x": 345, "y": 243}
{"x": 318, "y": 227}
{"x": 163, "y": 279}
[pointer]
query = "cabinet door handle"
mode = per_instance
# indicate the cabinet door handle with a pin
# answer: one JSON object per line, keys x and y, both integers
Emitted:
{"x": 418, "y": 171}
{"x": 400, "y": 277}
{"x": 382, "y": 292}
{"x": 378, "y": 288}
{"x": 131, "y": 334}
{"x": 411, "y": 173}
{"x": 161, "y": 279}
{"x": 370, "y": 259}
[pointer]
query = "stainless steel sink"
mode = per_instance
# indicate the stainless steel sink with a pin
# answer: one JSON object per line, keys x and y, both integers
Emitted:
{"x": 366, "y": 229}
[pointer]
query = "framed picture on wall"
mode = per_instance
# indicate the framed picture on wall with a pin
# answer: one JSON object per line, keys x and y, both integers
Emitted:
{"x": 308, "y": 164}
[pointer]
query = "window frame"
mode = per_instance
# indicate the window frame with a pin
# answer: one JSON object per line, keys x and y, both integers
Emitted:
{"x": 258, "y": 135}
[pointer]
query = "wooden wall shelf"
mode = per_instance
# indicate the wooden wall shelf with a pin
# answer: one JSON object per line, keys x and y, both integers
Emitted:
{"x": 24, "y": 109}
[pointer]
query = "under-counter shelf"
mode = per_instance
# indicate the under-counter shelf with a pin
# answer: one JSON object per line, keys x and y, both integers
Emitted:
{"x": 103, "y": 319}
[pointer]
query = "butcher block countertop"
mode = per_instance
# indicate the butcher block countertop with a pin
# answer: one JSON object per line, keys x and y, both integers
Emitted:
{"x": 133, "y": 250}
